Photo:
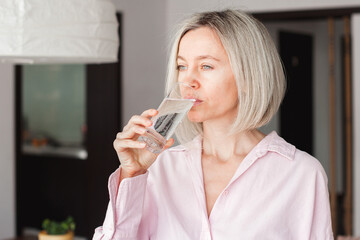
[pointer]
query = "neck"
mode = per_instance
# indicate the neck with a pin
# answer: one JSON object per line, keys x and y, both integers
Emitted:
{"x": 217, "y": 142}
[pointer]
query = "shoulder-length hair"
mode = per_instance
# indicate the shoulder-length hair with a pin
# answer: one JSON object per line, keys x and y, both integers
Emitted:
{"x": 255, "y": 63}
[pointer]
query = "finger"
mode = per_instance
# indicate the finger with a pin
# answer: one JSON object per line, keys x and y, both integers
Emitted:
{"x": 143, "y": 119}
{"x": 132, "y": 132}
{"x": 139, "y": 120}
{"x": 122, "y": 145}
{"x": 149, "y": 113}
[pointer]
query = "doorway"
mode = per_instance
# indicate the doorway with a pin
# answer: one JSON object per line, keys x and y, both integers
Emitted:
{"x": 324, "y": 89}
{"x": 296, "y": 112}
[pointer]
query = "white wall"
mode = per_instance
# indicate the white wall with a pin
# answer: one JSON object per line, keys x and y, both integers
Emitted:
{"x": 355, "y": 30}
{"x": 7, "y": 149}
{"x": 144, "y": 55}
{"x": 177, "y": 9}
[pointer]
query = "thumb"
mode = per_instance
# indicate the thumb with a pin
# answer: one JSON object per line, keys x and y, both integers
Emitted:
{"x": 169, "y": 143}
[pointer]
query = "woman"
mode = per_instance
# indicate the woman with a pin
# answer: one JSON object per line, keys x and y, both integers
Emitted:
{"x": 228, "y": 180}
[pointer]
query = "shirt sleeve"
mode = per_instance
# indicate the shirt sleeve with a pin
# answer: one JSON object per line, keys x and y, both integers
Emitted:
{"x": 321, "y": 225}
{"x": 126, "y": 216}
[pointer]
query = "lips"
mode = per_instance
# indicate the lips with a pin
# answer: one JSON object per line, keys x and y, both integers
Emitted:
{"x": 197, "y": 102}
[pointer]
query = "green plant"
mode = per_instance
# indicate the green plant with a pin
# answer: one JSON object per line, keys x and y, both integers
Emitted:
{"x": 57, "y": 228}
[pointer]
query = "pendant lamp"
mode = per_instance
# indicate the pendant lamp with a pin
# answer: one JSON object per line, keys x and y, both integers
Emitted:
{"x": 58, "y": 31}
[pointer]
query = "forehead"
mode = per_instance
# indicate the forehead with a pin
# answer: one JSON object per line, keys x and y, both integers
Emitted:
{"x": 201, "y": 41}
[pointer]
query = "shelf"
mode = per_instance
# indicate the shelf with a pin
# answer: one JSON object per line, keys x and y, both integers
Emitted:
{"x": 73, "y": 152}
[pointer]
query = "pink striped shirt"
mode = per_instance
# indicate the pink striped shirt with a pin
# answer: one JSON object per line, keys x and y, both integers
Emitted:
{"x": 277, "y": 192}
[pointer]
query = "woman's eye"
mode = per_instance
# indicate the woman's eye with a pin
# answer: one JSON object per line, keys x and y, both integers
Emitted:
{"x": 181, "y": 68}
{"x": 206, "y": 67}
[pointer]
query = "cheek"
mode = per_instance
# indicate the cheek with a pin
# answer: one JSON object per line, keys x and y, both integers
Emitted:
{"x": 222, "y": 101}
{"x": 228, "y": 95}
{"x": 233, "y": 90}
{"x": 228, "y": 86}
{"x": 234, "y": 94}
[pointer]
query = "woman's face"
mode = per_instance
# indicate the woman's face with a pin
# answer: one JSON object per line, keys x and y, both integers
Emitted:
{"x": 204, "y": 64}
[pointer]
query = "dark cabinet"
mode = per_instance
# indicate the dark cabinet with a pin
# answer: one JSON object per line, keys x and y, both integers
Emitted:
{"x": 56, "y": 185}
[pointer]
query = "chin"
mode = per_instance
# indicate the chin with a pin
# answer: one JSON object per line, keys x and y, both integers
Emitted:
{"x": 193, "y": 117}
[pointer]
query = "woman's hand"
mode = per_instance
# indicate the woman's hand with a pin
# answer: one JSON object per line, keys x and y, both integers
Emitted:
{"x": 133, "y": 156}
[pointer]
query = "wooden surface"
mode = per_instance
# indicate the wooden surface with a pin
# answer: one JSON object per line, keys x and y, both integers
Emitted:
{"x": 348, "y": 132}
{"x": 22, "y": 238}
{"x": 332, "y": 130}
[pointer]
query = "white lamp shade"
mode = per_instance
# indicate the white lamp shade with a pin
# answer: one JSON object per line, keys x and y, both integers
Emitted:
{"x": 58, "y": 31}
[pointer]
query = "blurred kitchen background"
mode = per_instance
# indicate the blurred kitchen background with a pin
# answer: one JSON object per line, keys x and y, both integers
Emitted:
{"x": 58, "y": 121}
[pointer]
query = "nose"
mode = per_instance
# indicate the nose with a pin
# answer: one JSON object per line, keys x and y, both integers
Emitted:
{"x": 192, "y": 79}
{"x": 194, "y": 83}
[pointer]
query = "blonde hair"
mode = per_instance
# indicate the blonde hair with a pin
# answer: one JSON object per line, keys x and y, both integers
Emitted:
{"x": 255, "y": 63}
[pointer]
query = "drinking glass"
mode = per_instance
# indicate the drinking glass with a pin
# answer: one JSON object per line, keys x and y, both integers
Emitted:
{"x": 171, "y": 111}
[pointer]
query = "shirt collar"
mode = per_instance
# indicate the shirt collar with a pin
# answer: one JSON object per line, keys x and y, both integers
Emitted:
{"x": 274, "y": 143}
{"x": 270, "y": 143}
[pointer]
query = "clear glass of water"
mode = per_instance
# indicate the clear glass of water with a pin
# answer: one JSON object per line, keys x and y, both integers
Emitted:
{"x": 171, "y": 111}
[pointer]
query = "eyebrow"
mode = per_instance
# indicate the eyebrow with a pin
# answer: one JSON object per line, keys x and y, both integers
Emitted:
{"x": 200, "y": 57}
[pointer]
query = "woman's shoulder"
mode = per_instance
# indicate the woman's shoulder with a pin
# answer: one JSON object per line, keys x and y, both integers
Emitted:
{"x": 181, "y": 152}
{"x": 301, "y": 159}
{"x": 171, "y": 154}
{"x": 189, "y": 147}
{"x": 308, "y": 163}
{"x": 173, "y": 163}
